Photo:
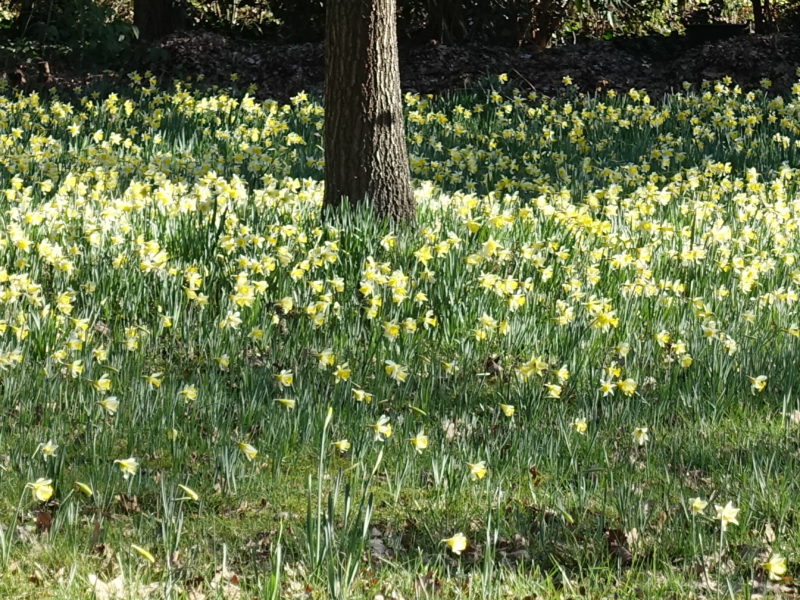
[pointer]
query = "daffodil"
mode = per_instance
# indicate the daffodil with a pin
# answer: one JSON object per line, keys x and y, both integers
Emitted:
{"x": 698, "y": 505}
{"x": 190, "y": 494}
{"x": 289, "y": 403}
{"x": 726, "y": 515}
{"x": 144, "y": 553}
{"x": 285, "y": 378}
{"x": 580, "y": 425}
{"x": 457, "y": 543}
{"x": 48, "y": 449}
{"x": 477, "y": 470}
{"x": 419, "y": 441}
{"x": 341, "y": 445}
{"x": 249, "y": 451}
{"x": 775, "y": 567}
{"x": 84, "y": 488}
{"x": 128, "y": 466}
{"x": 382, "y": 428}
{"x": 640, "y": 435}
{"x": 110, "y": 404}
{"x": 42, "y": 489}
{"x": 188, "y": 392}
{"x": 627, "y": 386}
{"x": 757, "y": 384}
{"x": 362, "y": 396}
{"x": 342, "y": 372}
{"x": 508, "y": 409}
{"x": 396, "y": 371}
{"x": 154, "y": 379}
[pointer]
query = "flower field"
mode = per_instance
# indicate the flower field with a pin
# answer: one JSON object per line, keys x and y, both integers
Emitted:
{"x": 575, "y": 376}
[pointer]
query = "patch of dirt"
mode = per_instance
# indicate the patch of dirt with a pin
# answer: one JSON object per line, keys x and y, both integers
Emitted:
{"x": 657, "y": 64}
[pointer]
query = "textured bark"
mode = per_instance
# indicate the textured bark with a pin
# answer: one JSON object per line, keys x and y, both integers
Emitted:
{"x": 365, "y": 144}
{"x": 157, "y": 18}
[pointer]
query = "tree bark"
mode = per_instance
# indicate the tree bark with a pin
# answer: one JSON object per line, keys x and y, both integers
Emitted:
{"x": 365, "y": 145}
{"x": 758, "y": 16}
{"x": 156, "y": 18}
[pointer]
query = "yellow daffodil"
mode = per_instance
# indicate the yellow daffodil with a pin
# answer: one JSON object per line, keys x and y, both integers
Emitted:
{"x": 395, "y": 371}
{"x": 128, "y": 466}
{"x": 757, "y": 384}
{"x": 457, "y": 543}
{"x": 775, "y": 567}
{"x": 84, "y": 488}
{"x": 154, "y": 379}
{"x": 726, "y": 515}
{"x": 285, "y": 378}
{"x": 249, "y": 451}
{"x": 42, "y": 489}
{"x": 144, "y": 553}
{"x": 342, "y": 372}
{"x": 477, "y": 470}
{"x": 48, "y": 449}
{"x": 110, "y": 404}
{"x": 188, "y": 392}
{"x": 382, "y": 428}
{"x": 362, "y": 396}
{"x": 341, "y": 445}
{"x": 580, "y": 425}
{"x": 508, "y": 409}
{"x": 289, "y": 403}
{"x": 190, "y": 494}
{"x": 698, "y": 505}
{"x": 419, "y": 441}
{"x": 640, "y": 435}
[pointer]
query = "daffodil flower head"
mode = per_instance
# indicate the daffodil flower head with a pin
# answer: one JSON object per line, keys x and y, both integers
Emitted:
{"x": 640, "y": 436}
{"x": 419, "y": 441}
{"x": 248, "y": 450}
{"x": 128, "y": 466}
{"x": 698, "y": 505}
{"x": 726, "y": 515}
{"x": 382, "y": 428}
{"x": 580, "y": 425}
{"x": 508, "y": 409}
{"x": 110, "y": 404}
{"x": 395, "y": 371}
{"x": 457, "y": 543}
{"x": 285, "y": 378}
{"x": 477, "y": 470}
{"x": 289, "y": 403}
{"x": 42, "y": 489}
{"x": 48, "y": 449}
{"x": 188, "y": 392}
{"x": 758, "y": 384}
{"x": 341, "y": 445}
{"x": 775, "y": 567}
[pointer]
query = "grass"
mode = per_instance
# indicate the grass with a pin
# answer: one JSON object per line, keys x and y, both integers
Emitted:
{"x": 582, "y": 357}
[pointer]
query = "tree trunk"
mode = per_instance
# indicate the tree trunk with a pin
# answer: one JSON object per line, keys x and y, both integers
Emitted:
{"x": 156, "y": 18}
{"x": 365, "y": 144}
{"x": 758, "y": 16}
